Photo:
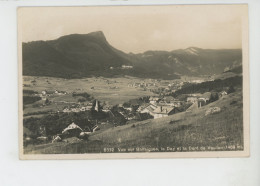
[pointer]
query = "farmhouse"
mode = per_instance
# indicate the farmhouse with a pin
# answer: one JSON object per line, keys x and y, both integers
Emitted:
{"x": 197, "y": 81}
{"x": 204, "y": 99}
{"x": 192, "y": 99}
{"x": 141, "y": 107}
{"x": 128, "y": 108}
{"x": 127, "y": 67}
{"x": 43, "y": 98}
{"x": 89, "y": 106}
{"x": 154, "y": 99}
{"x": 106, "y": 108}
{"x": 83, "y": 109}
{"x": 116, "y": 117}
{"x": 163, "y": 111}
{"x": 44, "y": 93}
{"x": 66, "y": 110}
{"x": 60, "y": 92}
{"x": 72, "y": 130}
{"x": 95, "y": 128}
{"x": 175, "y": 103}
{"x": 168, "y": 99}
{"x": 75, "y": 109}
{"x": 142, "y": 116}
{"x": 148, "y": 109}
{"x": 201, "y": 102}
{"x": 223, "y": 93}
{"x": 49, "y": 92}
{"x": 206, "y": 96}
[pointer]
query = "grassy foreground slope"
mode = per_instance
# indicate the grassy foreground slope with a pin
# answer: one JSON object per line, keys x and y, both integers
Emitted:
{"x": 187, "y": 129}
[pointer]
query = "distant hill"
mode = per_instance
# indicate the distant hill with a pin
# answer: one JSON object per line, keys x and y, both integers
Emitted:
{"x": 71, "y": 56}
{"x": 192, "y": 61}
{"x": 236, "y": 70}
{"x": 216, "y": 86}
{"x": 86, "y": 55}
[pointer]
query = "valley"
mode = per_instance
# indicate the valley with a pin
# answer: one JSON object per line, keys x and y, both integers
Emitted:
{"x": 82, "y": 95}
{"x": 117, "y": 107}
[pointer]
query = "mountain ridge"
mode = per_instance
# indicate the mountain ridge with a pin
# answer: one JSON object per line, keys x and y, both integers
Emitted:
{"x": 85, "y": 55}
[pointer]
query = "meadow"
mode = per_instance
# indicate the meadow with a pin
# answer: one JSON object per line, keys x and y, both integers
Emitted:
{"x": 110, "y": 91}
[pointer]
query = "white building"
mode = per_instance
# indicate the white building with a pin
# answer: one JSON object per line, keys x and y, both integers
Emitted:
{"x": 127, "y": 67}
{"x": 163, "y": 111}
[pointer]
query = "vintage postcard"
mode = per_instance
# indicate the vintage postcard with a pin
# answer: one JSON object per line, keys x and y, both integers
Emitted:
{"x": 103, "y": 82}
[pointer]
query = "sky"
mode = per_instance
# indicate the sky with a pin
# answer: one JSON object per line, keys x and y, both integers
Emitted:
{"x": 139, "y": 28}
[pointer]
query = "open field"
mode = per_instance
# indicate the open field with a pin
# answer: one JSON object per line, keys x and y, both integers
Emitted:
{"x": 221, "y": 131}
{"x": 111, "y": 91}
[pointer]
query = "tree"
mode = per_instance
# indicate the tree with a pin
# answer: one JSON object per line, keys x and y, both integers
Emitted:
{"x": 47, "y": 101}
{"x": 231, "y": 89}
{"x": 213, "y": 97}
{"x": 134, "y": 108}
{"x": 126, "y": 104}
{"x": 81, "y": 100}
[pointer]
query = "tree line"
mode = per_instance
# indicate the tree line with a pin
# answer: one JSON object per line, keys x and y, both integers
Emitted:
{"x": 211, "y": 86}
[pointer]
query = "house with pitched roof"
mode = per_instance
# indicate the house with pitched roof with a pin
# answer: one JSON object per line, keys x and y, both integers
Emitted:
{"x": 72, "y": 130}
{"x": 192, "y": 99}
{"x": 163, "y": 111}
{"x": 204, "y": 99}
{"x": 147, "y": 108}
{"x": 154, "y": 99}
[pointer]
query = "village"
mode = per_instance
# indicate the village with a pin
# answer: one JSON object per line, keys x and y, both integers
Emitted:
{"x": 154, "y": 106}
{"x": 101, "y": 115}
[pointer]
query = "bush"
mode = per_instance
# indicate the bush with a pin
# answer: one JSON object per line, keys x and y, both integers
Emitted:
{"x": 213, "y": 97}
{"x": 83, "y": 94}
{"x": 231, "y": 89}
{"x": 30, "y": 99}
{"x": 82, "y": 100}
{"x": 37, "y": 113}
{"x": 47, "y": 101}
{"x": 29, "y": 92}
{"x": 233, "y": 102}
{"x": 126, "y": 104}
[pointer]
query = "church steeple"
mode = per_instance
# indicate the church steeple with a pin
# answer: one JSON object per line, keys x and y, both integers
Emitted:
{"x": 96, "y": 106}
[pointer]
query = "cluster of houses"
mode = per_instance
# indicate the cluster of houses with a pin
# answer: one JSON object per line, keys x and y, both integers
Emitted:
{"x": 53, "y": 92}
{"x": 158, "y": 87}
{"x": 203, "y": 99}
{"x": 167, "y": 105}
{"x": 199, "y": 99}
{"x": 175, "y": 86}
{"x": 80, "y": 108}
{"x": 124, "y": 67}
{"x": 46, "y": 93}
{"x": 160, "y": 107}
{"x": 167, "y": 85}
{"x": 73, "y": 130}
{"x": 141, "y": 85}
{"x": 156, "y": 108}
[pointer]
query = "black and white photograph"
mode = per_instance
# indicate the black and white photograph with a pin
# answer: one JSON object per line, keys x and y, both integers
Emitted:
{"x": 98, "y": 82}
